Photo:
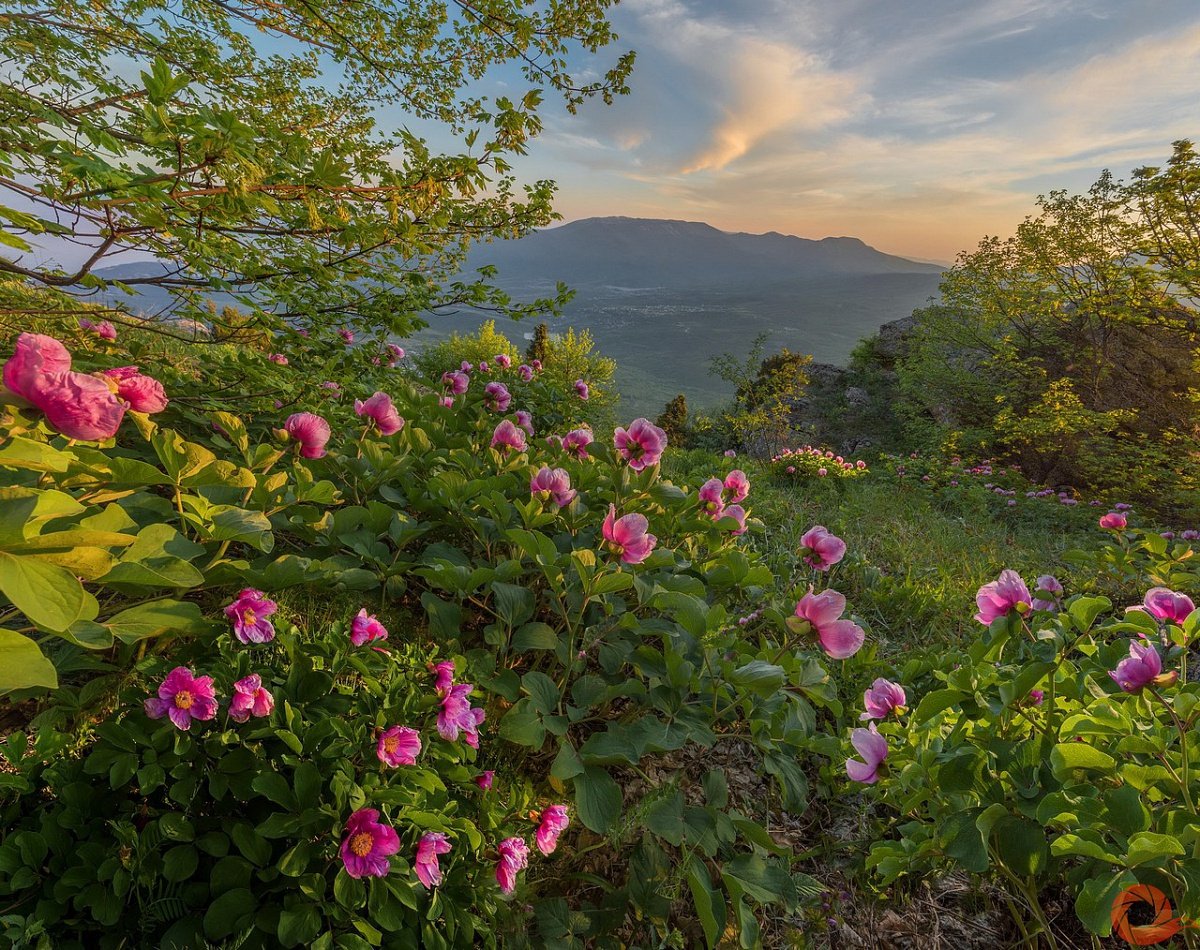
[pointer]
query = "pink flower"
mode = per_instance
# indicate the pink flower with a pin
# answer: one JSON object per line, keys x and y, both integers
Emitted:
{"x": 525, "y": 421}
{"x": 483, "y": 367}
{"x": 554, "y": 822}
{"x": 576, "y": 441}
{"x": 730, "y": 454}
{"x": 1036, "y": 697}
{"x": 310, "y": 431}
{"x": 364, "y": 628}
{"x": 822, "y": 612}
{"x": 525, "y": 372}
{"x": 497, "y": 397}
{"x": 445, "y": 401}
{"x": 627, "y": 536}
{"x": 457, "y": 716}
{"x": 34, "y": 357}
{"x": 514, "y": 857}
{"x": 425, "y": 864}
{"x": 1047, "y": 584}
{"x": 484, "y": 779}
{"x": 465, "y": 366}
{"x": 333, "y": 387}
{"x": 537, "y": 365}
{"x": 504, "y": 360}
{"x": 250, "y": 698}
{"x": 737, "y": 484}
{"x": 456, "y": 383}
{"x": 183, "y": 697}
{"x": 398, "y": 745}
{"x": 553, "y": 483}
{"x": 641, "y": 445}
{"x": 380, "y": 409}
{"x": 142, "y": 393}
{"x": 278, "y": 358}
{"x": 508, "y": 436}
{"x": 249, "y": 613}
{"x": 873, "y": 748}
{"x": 367, "y": 845}
{"x": 1166, "y": 605}
{"x": 1114, "y": 521}
{"x": 738, "y": 514}
{"x": 820, "y": 549}
{"x": 882, "y": 698}
{"x": 444, "y": 673}
{"x": 711, "y": 502}
{"x": 347, "y": 336}
{"x": 1142, "y": 668}
{"x": 581, "y": 390}
{"x": 104, "y": 329}
{"x": 79, "y": 406}
{"x": 997, "y": 599}
{"x": 395, "y": 353}
{"x": 860, "y": 465}
{"x": 822, "y": 472}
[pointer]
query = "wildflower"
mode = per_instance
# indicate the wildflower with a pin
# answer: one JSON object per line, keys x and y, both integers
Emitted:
{"x": 1036, "y": 697}
{"x": 822, "y": 471}
{"x": 1167, "y": 606}
{"x": 141, "y": 393}
{"x": 347, "y": 336}
{"x": 1143, "y": 667}
{"x": 365, "y": 627}
{"x": 395, "y": 353}
{"x": 883, "y": 698}
{"x": 445, "y": 401}
{"x": 483, "y": 367}
{"x": 553, "y": 823}
{"x": 553, "y": 483}
{"x": 576, "y": 441}
{"x": 711, "y": 502}
{"x": 457, "y": 716}
{"x": 730, "y": 454}
{"x": 1114, "y": 521}
{"x": 311, "y": 431}
{"x": 425, "y": 864}
{"x": 444, "y": 672}
{"x": 822, "y": 612}
{"x": 503, "y": 360}
{"x": 738, "y": 514}
{"x": 484, "y": 779}
{"x": 525, "y": 372}
{"x": 1001, "y": 596}
{"x": 628, "y": 536}
{"x": 537, "y": 365}
{"x": 249, "y": 613}
{"x": 525, "y": 421}
{"x": 820, "y": 549}
{"x": 507, "y": 436}
{"x": 333, "y": 387}
{"x": 737, "y": 485}
{"x": 465, "y": 366}
{"x": 456, "y": 383}
{"x": 514, "y": 857}
{"x": 861, "y": 465}
{"x": 278, "y": 358}
{"x": 874, "y": 750}
{"x": 497, "y": 397}
{"x": 398, "y": 745}
{"x": 367, "y": 845}
{"x": 103, "y": 329}
{"x": 250, "y": 698}
{"x": 382, "y": 411}
{"x": 1049, "y": 585}
{"x": 641, "y": 445}
{"x": 581, "y": 390}
{"x": 76, "y": 404}
{"x": 183, "y": 697}
{"x": 1122, "y": 506}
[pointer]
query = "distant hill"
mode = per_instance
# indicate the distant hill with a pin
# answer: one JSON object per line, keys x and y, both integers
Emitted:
{"x": 664, "y": 297}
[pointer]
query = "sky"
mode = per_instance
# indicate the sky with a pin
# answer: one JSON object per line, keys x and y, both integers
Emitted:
{"x": 917, "y": 125}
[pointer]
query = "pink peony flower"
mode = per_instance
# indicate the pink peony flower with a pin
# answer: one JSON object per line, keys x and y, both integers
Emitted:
{"x": 445, "y": 401}
{"x": 249, "y": 613}
{"x": 333, "y": 387}
{"x": 504, "y": 360}
{"x": 250, "y": 698}
{"x": 1166, "y": 605}
{"x": 874, "y": 750}
{"x": 483, "y": 367}
{"x": 1047, "y": 584}
{"x": 641, "y": 445}
{"x": 1036, "y": 697}
{"x": 627, "y": 536}
{"x": 1142, "y": 668}
{"x": 142, "y": 393}
{"x": 380, "y": 409}
{"x": 103, "y": 329}
{"x": 553, "y": 483}
{"x": 79, "y": 406}
{"x": 497, "y": 397}
{"x": 1114, "y": 521}
{"x": 822, "y": 612}
{"x": 508, "y": 436}
{"x": 820, "y": 549}
{"x": 395, "y": 353}
{"x": 1001, "y": 596}
{"x": 310, "y": 431}
{"x": 882, "y": 698}
{"x": 537, "y": 365}
{"x": 514, "y": 857}
{"x": 278, "y": 358}
{"x": 425, "y": 864}
{"x": 710, "y": 498}
{"x": 347, "y": 336}
{"x": 444, "y": 672}
{"x": 738, "y": 514}
{"x": 730, "y": 454}
{"x": 525, "y": 372}
{"x": 398, "y": 746}
{"x": 525, "y": 421}
{"x": 456, "y": 383}
{"x": 575, "y": 442}
{"x": 465, "y": 367}
{"x": 34, "y": 357}
{"x": 737, "y": 485}
{"x": 457, "y": 716}
{"x": 364, "y": 628}
{"x": 367, "y": 845}
{"x": 484, "y": 779}
{"x": 554, "y": 822}
{"x": 183, "y": 697}
{"x": 581, "y": 390}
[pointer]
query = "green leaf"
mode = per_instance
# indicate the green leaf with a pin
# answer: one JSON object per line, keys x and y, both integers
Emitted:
{"x": 251, "y": 844}
{"x": 157, "y": 617}
{"x": 597, "y": 799}
{"x": 50, "y": 596}
{"x": 238, "y": 524}
{"x": 543, "y": 692}
{"x": 710, "y": 903}
{"x": 229, "y": 913}
{"x": 611, "y": 583}
{"x": 760, "y": 677}
{"x": 180, "y": 863}
{"x": 1148, "y": 846}
{"x": 299, "y": 926}
{"x": 522, "y": 725}
{"x": 22, "y": 664}
{"x": 933, "y": 703}
{"x": 1093, "y": 904}
{"x": 534, "y": 636}
{"x": 1068, "y": 756}
{"x": 34, "y": 456}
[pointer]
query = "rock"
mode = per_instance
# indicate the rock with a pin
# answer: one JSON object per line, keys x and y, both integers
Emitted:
{"x": 893, "y": 337}
{"x": 857, "y": 396}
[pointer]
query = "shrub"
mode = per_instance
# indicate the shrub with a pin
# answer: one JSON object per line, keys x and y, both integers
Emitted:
{"x": 809, "y": 462}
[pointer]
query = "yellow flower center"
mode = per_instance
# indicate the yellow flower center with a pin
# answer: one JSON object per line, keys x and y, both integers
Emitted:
{"x": 361, "y": 844}
{"x": 391, "y": 744}
{"x": 184, "y": 699}
{"x": 249, "y": 618}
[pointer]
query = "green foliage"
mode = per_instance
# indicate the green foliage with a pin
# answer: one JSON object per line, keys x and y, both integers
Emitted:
{"x": 809, "y": 463}
{"x": 673, "y": 420}
{"x": 760, "y": 419}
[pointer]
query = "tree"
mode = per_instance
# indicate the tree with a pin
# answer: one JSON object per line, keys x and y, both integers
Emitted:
{"x": 767, "y": 389}
{"x": 674, "y": 420}
{"x": 237, "y": 142}
{"x": 539, "y": 346}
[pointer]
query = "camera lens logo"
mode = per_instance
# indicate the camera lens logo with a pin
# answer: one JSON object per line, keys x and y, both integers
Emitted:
{"x": 1143, "y": 916}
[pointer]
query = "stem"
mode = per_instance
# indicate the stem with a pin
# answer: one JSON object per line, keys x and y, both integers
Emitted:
{"x": 1185, "y": 768}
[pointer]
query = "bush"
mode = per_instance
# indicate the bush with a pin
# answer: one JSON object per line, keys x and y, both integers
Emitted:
{"x": 808, "y": 462}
